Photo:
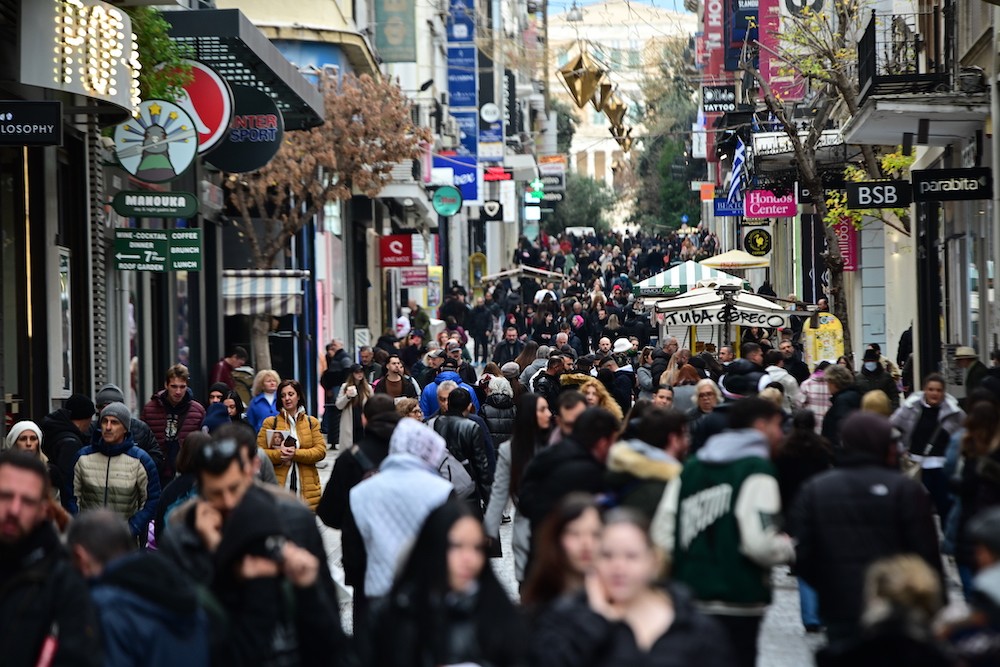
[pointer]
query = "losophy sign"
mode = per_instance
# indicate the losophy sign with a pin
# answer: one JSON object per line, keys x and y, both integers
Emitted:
{"x": 765, "y": 204}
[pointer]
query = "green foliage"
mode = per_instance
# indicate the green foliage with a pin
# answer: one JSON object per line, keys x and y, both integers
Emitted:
{"x": 585, "y": 203}
{"x": 895, "y": 166}
{"x": 566, "y": 124}
{"x": 163, "y": 75}
{"x": 675, "y": 195}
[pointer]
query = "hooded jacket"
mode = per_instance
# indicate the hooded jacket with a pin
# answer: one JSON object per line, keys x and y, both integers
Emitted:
{"x": 61, "y": 440}
{"x": 428, "y": 398}
{"x": 720, "y": 520}
{"x": 555, "y": 471}
{"x": 499, "y": 413}
{"x": 638, "y": 473}
{"x": 150, "y": 614}
{"x": 170, "y": 424}
{"x": 38, "y": 589}
{"x": 120, "y": 477}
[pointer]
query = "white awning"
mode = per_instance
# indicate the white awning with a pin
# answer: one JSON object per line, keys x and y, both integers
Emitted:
{"x": 681, "y": 278}
{"x": 273, "y": 292}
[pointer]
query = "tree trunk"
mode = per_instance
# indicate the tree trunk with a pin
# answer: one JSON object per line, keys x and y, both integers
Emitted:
{"x": 259, "y": 340}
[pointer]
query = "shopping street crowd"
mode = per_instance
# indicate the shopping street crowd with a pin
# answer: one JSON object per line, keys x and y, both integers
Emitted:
{"x": 650, "y": 489}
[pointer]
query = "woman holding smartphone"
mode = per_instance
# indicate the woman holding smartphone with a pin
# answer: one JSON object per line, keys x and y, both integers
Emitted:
{"x": 296, "y": 458}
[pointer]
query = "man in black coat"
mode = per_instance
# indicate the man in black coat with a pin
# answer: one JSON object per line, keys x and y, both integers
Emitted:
{"x": 63, "y": 435}
{"x": 874, "y": 376}
{"x": 793, "y": 363}
{"x": 466, "y": 442}
{"x": 509, "y": 349}
{"x": 575, "y": 464}
{"x": 849, "y": 517}
{"x": 43, "y": 601}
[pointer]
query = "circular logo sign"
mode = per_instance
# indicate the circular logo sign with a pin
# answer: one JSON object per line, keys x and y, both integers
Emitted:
{"x": 490, "y": 112}
{"x": 209, "y": 102}
{"x": 159, "y": 144}
{"x": 447, "y": 201}
{"x": 254, "y": 135}
{"x": 757, "y": 242}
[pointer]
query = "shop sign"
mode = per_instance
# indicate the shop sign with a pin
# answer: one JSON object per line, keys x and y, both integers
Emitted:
{"x": 447, "y": 201}
{"x": 878, "y": 194}
{"x": 724, "y": 207}
{"x": 24, "y": 123}
{"x": 765, "y": 204}
{"x": 157, "y": 250}
{"x": 395, "y": 250}
{"x": 159, "y": 144}
{"x": 145, "y": 204}
{"x": 552, "y": 197}
{"x": 758, "y": 242}
{"x": 462, "y": 79}
{"x": 395, "y": 35}
{"x": 254, "y": 135}
{"x": 952, "y": 184}
{"x": 553, "y": 182}
{"x": 492, "y": 174}
{"x": 718, "y": 99}
{"x": 718, "y": 315}
{"x": 209, "y": 102}
{"x": 847, "y": 242}
{"x": 492, "y": 211}
{"x": 462, "y": 21}
{"x": 85, "y": 47}
{"x": 413, "y": 276}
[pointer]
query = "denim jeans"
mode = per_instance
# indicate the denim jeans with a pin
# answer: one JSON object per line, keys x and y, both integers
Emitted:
{"x": 808, "y": 604}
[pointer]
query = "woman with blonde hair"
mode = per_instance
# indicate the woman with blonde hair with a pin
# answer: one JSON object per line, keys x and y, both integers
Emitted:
{"x": 598, "y": 396}
{"x": 876, "y": 401}
{"x": 351, "y": 399}
{"x": 264, "y": 403}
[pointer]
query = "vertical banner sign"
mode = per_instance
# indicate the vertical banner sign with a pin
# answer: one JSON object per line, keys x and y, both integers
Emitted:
{"x": 741, "y": 28}
{"x": 511, "y": 118}
{"x": 395, "y": 35}
{"x": 468, "y": 132}
{"x": 490, "y": 114}
{"x": 714, "y": 21}
{"x": 462, "y": 79}
{"x": 463, "y": 93}
{"x": 847, "y": 241}
{"x": 786, "y": 85}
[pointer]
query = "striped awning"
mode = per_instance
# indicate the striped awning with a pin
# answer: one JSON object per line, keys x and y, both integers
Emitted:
{"x": 273, "y": 292}
{"x": 680, "y": 279}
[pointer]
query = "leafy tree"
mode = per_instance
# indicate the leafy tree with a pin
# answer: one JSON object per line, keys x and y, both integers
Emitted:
{"x": 163, "y": 75}
{"x": 585, "y": 203}
{"x": 566, "y": 124}
{"x": 368, "y": 129}
{"x": 675, "y": 196}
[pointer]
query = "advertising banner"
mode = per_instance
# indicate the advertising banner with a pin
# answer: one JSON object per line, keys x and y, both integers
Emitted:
{"x": 847, "y": 241}
{"x": 462, "y": 79}
{"x": 765, "y": 204}
{"x": 462, "y": 21}
{"x": 787, "y": 86}
{"x": 466, "y": 175}
{"x": 395, "y": 34}
{"x": 741, "y": 29}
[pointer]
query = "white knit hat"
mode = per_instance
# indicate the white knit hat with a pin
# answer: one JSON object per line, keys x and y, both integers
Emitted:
{"x": 17, "y": 429}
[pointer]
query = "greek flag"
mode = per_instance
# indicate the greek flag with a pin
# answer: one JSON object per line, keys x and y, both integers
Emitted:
{"x": 736, "y": 175}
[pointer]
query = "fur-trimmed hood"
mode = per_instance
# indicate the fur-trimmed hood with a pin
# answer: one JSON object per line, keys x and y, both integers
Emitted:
{"x": 640, "y": 460}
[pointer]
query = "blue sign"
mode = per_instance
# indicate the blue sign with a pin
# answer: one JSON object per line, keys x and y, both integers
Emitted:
{"x": 462, "y": 80}
{"x": 462, "y": 21}
{"x": 466, "y": 174}
{"x": 468, "y": 128}
{"x": 723, "y": 207}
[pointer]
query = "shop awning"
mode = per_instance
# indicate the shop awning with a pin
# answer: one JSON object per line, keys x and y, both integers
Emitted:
{"x": 705, "y": 306}
{"x": 680, "y": 279}
{"x": 226, "y": 41}
{"x": 273, "y": 292}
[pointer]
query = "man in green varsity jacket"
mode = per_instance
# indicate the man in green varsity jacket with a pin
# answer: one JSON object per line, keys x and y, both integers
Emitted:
{"x": 720, "y": 520}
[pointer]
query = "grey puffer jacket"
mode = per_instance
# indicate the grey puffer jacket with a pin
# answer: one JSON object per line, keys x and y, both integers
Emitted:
{"x": 907, "y": 415}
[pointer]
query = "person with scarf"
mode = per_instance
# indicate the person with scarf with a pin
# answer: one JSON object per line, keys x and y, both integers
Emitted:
{"x": 303, "y": 447}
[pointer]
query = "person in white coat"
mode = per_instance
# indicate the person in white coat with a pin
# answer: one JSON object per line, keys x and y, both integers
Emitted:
{"x": 351, "y": 399}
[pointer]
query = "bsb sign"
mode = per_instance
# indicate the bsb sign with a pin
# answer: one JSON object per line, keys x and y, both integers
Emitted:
{"x": 952, "y": 184}
{"x": 878, "y": 194}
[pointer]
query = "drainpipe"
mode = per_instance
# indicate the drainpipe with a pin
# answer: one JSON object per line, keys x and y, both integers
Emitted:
{"x": 993, "y": 309}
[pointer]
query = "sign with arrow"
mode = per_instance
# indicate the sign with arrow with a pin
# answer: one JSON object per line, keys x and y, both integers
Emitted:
{"x": 952, "y": 184}
{"x": 157, "y": 250}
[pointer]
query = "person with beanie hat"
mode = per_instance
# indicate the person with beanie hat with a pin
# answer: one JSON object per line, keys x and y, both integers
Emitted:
{"x": 874, "y": 376}
{"x": 25, "y": 436}
{"x": 64, "y": 432}
{"x": 113, "y": 472}
{"x": 833, "y": 547}
{"x": 217, "y": 393}
{"x": 141, "y": 433}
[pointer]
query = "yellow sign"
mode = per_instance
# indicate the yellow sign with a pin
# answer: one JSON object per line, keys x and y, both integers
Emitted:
{"x": 824, "y": 342}
{"x": 477, "y": 269}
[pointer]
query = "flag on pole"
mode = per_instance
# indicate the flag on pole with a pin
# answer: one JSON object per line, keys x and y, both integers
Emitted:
{"x": 736, "y": 175}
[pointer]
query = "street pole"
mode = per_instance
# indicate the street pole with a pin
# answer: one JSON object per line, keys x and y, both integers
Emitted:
{"x": 545, "y": 55}
{"x": 989, "y": 313}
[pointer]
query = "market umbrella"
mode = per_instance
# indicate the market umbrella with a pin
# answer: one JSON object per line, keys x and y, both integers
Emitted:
{"x": 736, "y": 259}
{"x": 680, "y": 279}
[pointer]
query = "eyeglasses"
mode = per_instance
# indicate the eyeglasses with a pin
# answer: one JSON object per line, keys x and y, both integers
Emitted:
{"x": 707, "y": 394}
{"x": 416, "y": 411}
{"x": 217, "y": 455}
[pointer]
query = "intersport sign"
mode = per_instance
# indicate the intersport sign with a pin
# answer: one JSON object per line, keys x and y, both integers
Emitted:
{"x": 952, "y": 184}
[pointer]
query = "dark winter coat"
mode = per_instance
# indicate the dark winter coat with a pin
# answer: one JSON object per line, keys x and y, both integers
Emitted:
{"x": 638, "y": 474}
{"x": 889, "y": 642}
{"x": 61, "y": 440}
{"x": 548, "y": 387}
{"x": 555, "y": 471}
{"x": 842, "y": 403}
{"x": 40, "y": 591}
{"x": 570, "y": 634}
{"x": 847, "y": 518}
{"x": 504, "y": 351}
{"x": 879, "y": 379}
{"x": 170, "y": 424}
{"x": 804, "y": 455}
{"x": 466, "y": 443}
{"x": 499, "y": 413}
{"x": 659, "y": 364}
{"x": 150, "y": 614}
{"x": 979, "y": 490}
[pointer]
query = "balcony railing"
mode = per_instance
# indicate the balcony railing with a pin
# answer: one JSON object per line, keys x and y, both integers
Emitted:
{"x": 906, "y": 54}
